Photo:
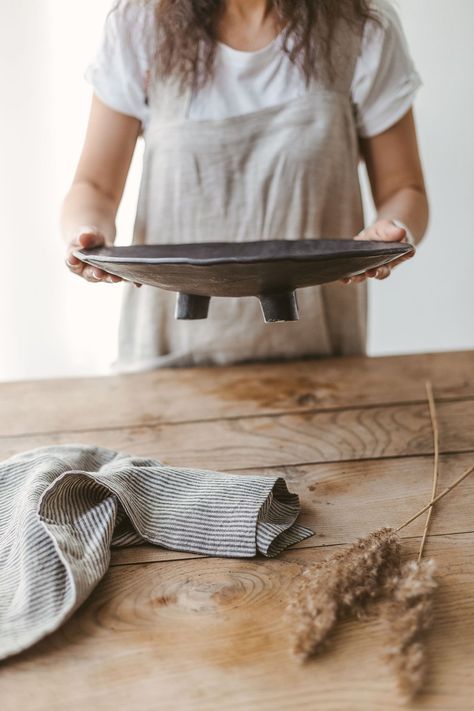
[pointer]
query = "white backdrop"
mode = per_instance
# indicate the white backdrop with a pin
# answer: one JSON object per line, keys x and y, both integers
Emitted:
{"x": 54, "y": 324}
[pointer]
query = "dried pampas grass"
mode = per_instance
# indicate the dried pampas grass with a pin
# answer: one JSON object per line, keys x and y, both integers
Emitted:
{"x": 343, "y": 584}
{"x": 407, "y": 613}
{"x": 368, "y": 578}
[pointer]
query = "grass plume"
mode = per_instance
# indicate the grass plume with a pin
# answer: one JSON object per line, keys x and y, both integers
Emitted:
{"x": 407, "y": 614}
{"x": 345, "y": 583}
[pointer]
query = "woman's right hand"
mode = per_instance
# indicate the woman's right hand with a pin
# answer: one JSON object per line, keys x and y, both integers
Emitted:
{"x": 86, "y": 239}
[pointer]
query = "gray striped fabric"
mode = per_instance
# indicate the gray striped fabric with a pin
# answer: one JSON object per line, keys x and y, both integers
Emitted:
{"x": 63, "y": 507}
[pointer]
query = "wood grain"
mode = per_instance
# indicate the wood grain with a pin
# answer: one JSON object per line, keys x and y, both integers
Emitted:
{"x": 176, "y": 395}
{"x": 166, "y": 629}
{"x": 211, "y": 634}
{"x": 281, "y": 440}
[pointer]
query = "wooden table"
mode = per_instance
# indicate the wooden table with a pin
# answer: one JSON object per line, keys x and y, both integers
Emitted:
{"x": 169, "y": 630}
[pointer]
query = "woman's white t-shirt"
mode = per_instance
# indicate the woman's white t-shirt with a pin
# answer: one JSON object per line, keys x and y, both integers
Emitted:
{"x": 383, "y": 88}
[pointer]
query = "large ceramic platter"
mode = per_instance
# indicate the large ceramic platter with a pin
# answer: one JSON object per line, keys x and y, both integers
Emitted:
{"x": 271, "y": 269}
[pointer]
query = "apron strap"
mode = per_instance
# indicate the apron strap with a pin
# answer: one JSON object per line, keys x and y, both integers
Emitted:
{"x": 345, "y": 50}
{"x": 168, "y": 101}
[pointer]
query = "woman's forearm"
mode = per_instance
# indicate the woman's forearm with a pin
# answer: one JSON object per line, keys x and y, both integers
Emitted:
{"x": 410, "y": 206}
{"x": 86, "y": 206}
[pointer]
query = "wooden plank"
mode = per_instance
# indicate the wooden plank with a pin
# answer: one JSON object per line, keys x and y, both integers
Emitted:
{"x": 282, "y": 440}
{"x": 211, "y": 634}
{"x": 343, "y": 501}
{"x": 175, "y": 395}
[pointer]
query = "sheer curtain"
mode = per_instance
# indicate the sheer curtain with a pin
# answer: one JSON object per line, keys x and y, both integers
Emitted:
{"x": 54, "y": 324}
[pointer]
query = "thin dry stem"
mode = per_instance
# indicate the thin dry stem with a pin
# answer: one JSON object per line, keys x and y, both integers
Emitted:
{"x": 437, "y": 498}
{"x": 434, "y": 426}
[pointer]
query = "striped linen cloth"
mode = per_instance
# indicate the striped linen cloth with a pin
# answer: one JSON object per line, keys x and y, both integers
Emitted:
{"x": 63, "y": 507}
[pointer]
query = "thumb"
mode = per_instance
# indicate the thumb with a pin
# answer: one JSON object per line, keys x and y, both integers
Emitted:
{"x": 393, "y": 233}
{"x": 89, "y": 237}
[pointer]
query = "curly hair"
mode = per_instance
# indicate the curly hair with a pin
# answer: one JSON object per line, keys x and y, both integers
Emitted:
{"x": 187, "y": 34}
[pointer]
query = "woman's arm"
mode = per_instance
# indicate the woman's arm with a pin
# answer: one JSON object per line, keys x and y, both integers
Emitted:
{"x": 90, "y": 207}
{"x": 398, "y": 188}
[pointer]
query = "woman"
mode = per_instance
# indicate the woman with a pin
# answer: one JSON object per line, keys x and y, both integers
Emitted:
{"x": 255, "y": 115}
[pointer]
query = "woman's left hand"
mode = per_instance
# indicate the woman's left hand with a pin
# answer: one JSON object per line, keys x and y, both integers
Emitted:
{"x": 380, "y": 231}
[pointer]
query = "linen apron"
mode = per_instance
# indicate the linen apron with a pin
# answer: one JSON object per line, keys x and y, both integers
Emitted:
{"x": 288, "y": 171}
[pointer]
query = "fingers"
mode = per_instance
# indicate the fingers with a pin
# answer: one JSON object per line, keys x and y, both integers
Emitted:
{"x": 380, "y": 231}
{"x": 91, "y": 273}
{"x": 379, "y": 273}
{"x": 383, "y": 272}
{"x": 73, "y": 263}
{"x": 94, "y": 275}
{"x": 87, "y": 238}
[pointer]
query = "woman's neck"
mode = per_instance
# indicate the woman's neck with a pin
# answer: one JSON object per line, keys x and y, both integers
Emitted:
{"x": 247, "y": 25}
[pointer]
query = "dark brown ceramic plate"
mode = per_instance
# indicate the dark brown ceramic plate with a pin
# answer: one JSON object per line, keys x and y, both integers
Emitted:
{"x": 270, "y": 269}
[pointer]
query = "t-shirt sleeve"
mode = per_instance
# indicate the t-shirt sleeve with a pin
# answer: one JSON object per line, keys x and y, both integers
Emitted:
{"x": 120, "y": 70}
{"x": 385, "y": 79}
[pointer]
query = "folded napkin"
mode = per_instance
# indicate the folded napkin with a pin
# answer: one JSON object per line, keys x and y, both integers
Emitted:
{"x": 62, "y": 507}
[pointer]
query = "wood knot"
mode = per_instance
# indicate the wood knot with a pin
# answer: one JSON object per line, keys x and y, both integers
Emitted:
{"x": 306, "y": 400}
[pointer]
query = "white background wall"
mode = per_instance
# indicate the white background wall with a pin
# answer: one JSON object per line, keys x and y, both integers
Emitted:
{"x": 54, "y": 324}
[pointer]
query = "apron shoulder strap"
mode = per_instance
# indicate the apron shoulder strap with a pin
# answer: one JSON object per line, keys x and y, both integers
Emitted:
{"x": 167, "y": 99}
{"x": 345, "y": 49}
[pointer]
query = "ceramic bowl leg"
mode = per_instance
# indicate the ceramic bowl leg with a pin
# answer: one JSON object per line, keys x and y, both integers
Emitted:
{"x": 279, "y": 307}
{"x": 191, "y": 306}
